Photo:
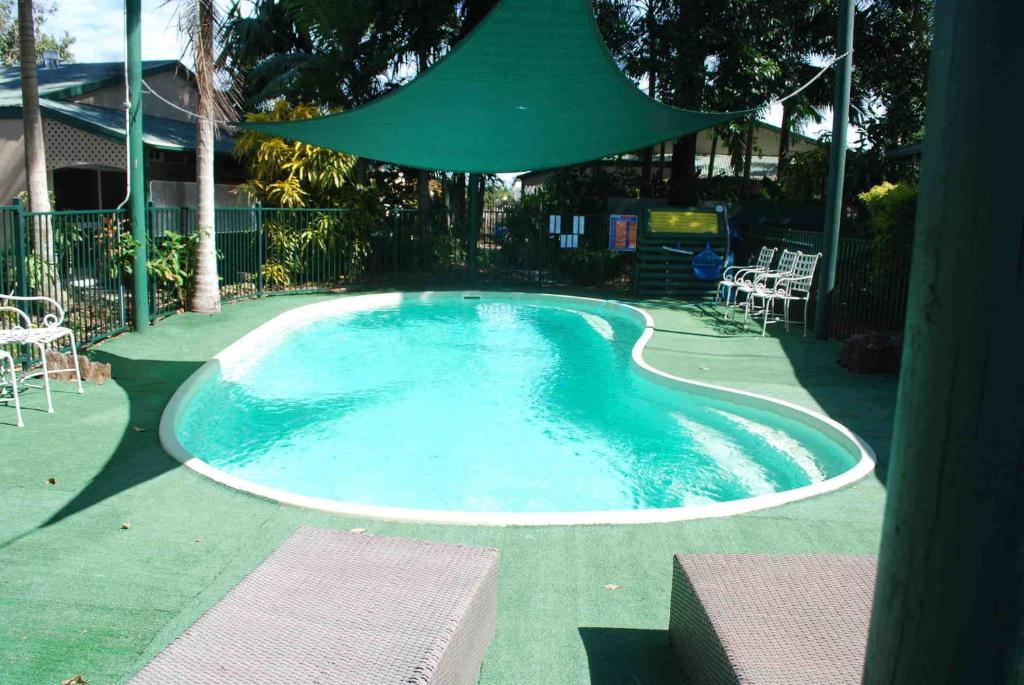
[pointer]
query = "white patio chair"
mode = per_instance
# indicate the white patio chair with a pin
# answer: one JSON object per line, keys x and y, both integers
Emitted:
{"x": 763, "y": 280}
{"x": 787, "y": 289}
{"x": 7, "y": 364}
{"x": 47, "y": 331}
{"x": 735, "y": 276}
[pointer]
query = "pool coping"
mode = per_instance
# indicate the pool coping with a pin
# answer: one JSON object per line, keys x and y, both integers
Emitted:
{"x": 859, "y": 450}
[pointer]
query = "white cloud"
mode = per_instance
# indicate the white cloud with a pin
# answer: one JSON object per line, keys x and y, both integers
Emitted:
{"x": 98, "y": 26}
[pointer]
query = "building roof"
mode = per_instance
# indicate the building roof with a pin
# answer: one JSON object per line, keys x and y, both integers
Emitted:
{"x": 72, "y": 80}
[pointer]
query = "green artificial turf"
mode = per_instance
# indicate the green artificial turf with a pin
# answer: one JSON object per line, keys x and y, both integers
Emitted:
{"x": 79, "y": 594}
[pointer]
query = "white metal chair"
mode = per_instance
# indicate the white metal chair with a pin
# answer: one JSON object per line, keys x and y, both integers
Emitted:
{"x": 6, "y": 357}
{"x": 764, "y": 279}
{"x": 795, "y": 287}
{"x": 735, "y": 276}
{"x": 46, "y": 331}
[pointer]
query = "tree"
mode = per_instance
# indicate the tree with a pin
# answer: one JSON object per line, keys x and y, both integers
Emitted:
{"x": 200, "y": 23}
{"x": 10, "y": 31}
{"x": 293, "y": 174}
{"x": 35, "y": 147}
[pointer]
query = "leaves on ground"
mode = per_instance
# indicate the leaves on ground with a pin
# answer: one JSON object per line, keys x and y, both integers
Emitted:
{"x": 357, "y": 530}
{"x": 51, "y": 481}
{"x": 612, "y": 587}
{"x": 138, "y": 429}
{"x": 125, "y": 525}
{"x": 200, "y": 539}
{"x": 74, "y": 680}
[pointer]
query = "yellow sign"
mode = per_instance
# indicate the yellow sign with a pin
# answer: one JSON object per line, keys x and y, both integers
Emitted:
{"x": 684, "y": 221}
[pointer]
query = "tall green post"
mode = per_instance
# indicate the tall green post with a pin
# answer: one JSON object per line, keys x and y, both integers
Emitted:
{"x": 474, "y": 226}
{"x": 136, "y": 165}
{"x": 836, "y": 169}
{"x": 949, "y": 606}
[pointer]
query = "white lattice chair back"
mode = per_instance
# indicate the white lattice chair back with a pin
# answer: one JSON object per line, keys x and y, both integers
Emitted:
{"x": 803, "y": 272}
{"x": 787, "y": 261}
{"x": 765, "y": 257}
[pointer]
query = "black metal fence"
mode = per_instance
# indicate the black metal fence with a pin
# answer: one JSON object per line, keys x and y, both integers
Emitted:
{"x": 871, "y": 280}
{"x": 268, "y": 251}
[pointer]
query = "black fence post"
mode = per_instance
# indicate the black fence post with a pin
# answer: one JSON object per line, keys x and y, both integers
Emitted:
{"x": 258, "y": 210}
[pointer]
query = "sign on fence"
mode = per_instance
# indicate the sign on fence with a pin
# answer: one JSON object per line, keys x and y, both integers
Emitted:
{"x": 622, "y": 230}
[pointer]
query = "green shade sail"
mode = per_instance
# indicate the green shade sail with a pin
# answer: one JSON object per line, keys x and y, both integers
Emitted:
{"x": 532, "y": 87}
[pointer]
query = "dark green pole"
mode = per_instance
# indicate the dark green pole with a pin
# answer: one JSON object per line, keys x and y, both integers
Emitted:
{"x": 136, "y": 165}
{"x": 836, "y": 169}
{"x": 949, "y": 606}
{"x": 474, "y": 226}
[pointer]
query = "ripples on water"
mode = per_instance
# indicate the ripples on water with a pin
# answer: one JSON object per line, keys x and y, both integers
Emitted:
{"x": 487, "y": 406}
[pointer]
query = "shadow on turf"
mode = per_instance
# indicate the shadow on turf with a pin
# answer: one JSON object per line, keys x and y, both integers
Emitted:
{"x": 138, "y": 456}
{"x": 629, "y": 656}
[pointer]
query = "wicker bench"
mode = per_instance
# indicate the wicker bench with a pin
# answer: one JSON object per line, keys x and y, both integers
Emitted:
{"x": 333, "y": 607}
{"x": 779, "y": 620}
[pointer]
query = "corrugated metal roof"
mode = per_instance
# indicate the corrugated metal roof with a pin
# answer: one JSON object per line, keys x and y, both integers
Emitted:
{"x": 69, "y": 80}
{"x": 158, "y": 132}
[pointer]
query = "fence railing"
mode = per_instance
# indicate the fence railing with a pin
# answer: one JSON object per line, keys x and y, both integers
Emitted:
{"x": 871, "y": 280}
{"x": 268, "y": 251}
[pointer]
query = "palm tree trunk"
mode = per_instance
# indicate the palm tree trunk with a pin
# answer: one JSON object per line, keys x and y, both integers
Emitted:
{"x": 35, "y": 150}
{"x": 748, "y": 155}
{"x": 711, "y": 161}
{"x": 784, "y": 140}
{"x": 682, "y": 184}
{"x": 422, "y": 175}
{"x": 206, "y": 286}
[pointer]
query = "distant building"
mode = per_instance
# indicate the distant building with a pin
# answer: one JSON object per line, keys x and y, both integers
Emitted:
{"x": 84, "y": 130}
{"x": 764, "y": 160}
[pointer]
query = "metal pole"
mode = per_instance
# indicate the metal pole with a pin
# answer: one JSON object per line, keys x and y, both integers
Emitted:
{"x": 948, "y": 604}
{"x": 136, "y": 166}
{"x": 474, "y": 226}
{"x": 836, "y": 170}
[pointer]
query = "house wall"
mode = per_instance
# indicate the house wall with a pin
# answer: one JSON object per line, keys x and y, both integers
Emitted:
{"x": 168, "y": 84}
{"x": 65, "y": 147}
{"x": 12, "y": 159}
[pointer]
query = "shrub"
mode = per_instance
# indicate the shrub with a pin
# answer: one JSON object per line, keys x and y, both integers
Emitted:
{"x": 892, "y": 209}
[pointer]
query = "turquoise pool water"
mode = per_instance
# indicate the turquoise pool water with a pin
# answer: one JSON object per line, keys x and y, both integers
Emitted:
{"x": 487, "y": 406}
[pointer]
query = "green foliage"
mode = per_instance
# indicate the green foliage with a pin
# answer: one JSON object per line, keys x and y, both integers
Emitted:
{"x": 171, "y": 263}
{"x": 586, "y": 188}
{"x": 892, "y": 209}
{"x": 118, "y": 246}
{"x": 295, "y": 242}
{"x": 292, "y": 174}
{"x": 591, "y": 266}
{"x": 9, "y": 50}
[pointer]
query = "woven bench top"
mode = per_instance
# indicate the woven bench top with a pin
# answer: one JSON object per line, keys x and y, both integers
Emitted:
{"x": 782, "y": 619}
{"x": 334, "y": 607}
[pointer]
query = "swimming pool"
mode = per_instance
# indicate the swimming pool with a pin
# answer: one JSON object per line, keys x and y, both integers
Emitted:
{"x": 491, "y": 408}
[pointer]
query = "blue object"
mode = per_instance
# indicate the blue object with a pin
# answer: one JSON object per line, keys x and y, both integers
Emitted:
{"x": 707, "y": 266}
{"x": 512, "y": 403}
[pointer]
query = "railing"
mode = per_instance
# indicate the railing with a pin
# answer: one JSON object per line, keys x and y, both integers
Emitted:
{"x": 514, "y": 246}
{"x": 268, "y": 251}
{"x": 871, "y": 280}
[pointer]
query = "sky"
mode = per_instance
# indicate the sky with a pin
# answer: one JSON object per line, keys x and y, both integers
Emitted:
{"x": 99, "y": 27}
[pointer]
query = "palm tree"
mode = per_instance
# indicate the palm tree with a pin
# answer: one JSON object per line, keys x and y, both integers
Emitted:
{"x": 35, "y": 147}
{"x": 199, "y": 21}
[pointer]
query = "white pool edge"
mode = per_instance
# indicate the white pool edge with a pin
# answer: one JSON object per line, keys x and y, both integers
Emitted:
{"x": 859, "y": 449}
